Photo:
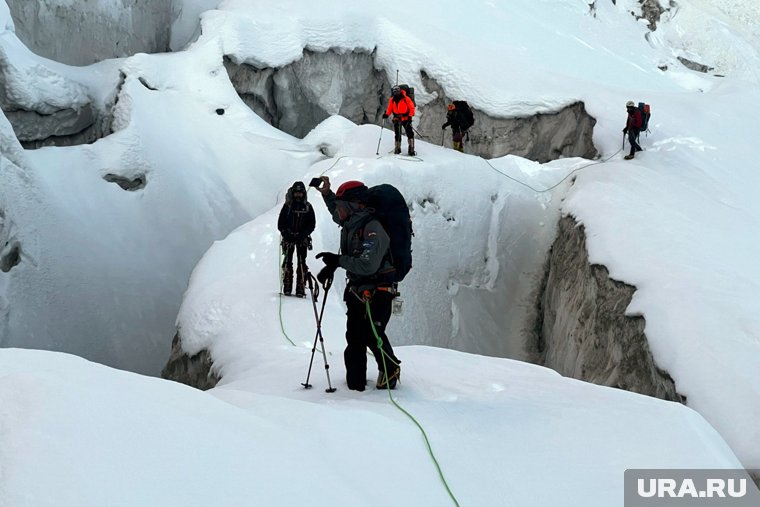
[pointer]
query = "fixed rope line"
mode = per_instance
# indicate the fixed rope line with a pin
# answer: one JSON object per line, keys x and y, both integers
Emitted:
{"x": 525, "y": 184}
{"x": 560, "y": 181}
{"x": 333, "y": 165}
{"x": 282, "y": 324}
{"x": 410, "y": 416}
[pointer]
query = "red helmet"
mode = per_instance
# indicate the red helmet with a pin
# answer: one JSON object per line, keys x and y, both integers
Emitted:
{"x": 352, "y": 191}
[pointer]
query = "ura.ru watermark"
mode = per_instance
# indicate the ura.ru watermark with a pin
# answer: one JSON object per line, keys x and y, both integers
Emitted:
{"x": 690, "y": 487}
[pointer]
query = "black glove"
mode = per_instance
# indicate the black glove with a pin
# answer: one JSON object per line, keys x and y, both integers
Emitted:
{"x": 625, "y": 130}
{"x": 330, "y": 259}
{"x": 385, "y": 115}
{"x": 326, "y": 273}
{"x": 307, "y": 242}
{"x": 331, "y": 264}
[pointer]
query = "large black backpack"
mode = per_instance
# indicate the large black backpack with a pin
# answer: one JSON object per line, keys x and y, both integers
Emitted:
{"x": 466, "y": 118}
{"x": 409, "y": 90}
{"x": 388, "y": 205}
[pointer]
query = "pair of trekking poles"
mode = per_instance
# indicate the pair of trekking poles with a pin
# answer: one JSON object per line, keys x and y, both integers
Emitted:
{"x": 314, "y": 290}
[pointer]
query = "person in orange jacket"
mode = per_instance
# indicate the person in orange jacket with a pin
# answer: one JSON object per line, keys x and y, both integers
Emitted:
{"x": 402, "y": 109}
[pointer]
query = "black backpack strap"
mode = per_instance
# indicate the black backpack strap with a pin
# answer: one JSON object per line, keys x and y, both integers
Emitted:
{"x": 363, "y": 224}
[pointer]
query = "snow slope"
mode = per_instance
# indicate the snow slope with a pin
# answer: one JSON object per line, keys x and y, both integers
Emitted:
{"x": 77, "y": 433}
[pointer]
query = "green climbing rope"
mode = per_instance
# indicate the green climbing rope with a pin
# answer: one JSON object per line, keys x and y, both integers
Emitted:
{"x": 282, "y": 324}
{"x": 410, "y": 416}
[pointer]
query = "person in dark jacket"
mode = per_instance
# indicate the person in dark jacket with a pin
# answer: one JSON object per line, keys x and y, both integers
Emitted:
{"x": 402, "y": 109}
{"x": 632, "y": 128}
{"x": 454, "y": 119}
{"x": 296, "y": 223}
{"x": 365, "y": 248}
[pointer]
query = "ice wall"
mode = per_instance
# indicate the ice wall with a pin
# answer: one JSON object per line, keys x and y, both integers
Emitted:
{"x": 81, "y": 33}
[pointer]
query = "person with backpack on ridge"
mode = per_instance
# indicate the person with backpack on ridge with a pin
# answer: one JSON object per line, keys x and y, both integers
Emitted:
{"x": 296, "y": 223}
{"x": 632, "y": 128}
{"x": 402, "y": 109}
{"x": 365, "y": 247}
{"x": 455, "y": 118}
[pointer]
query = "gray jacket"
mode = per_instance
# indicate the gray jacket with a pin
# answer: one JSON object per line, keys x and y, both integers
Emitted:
{"x": 364, "y": 245}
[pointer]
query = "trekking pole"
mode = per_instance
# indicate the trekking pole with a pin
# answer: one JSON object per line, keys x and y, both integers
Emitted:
{"x": 396, "y": 77}
{"x": 418, "y": 134}
{"x": 382, "y": 127}
{"x": 623, "y": 148}
{"x": 314, "y": 297}
{"x": 443, "y": 135}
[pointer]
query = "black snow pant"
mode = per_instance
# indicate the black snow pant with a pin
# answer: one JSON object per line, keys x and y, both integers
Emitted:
{"x": 397, "y": 124}
{"x": 457, "y": 138}
{"x": 633, "y": 136}
{"x": 359, "y": 336}
{"x": 287, "y": 262}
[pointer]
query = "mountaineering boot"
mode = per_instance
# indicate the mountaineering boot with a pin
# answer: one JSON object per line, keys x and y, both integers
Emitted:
{"x": 287, "y": 281}
{"x": 300, "y": 291}
{"x": 628, "y": 157}
{"x": 390, "y": 382}
{"x": 397, "y": 149}
{"x": 411, "y": 148}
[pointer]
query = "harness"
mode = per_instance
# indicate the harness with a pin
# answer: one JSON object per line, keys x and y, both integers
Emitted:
{"x": 366, "y": 294}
